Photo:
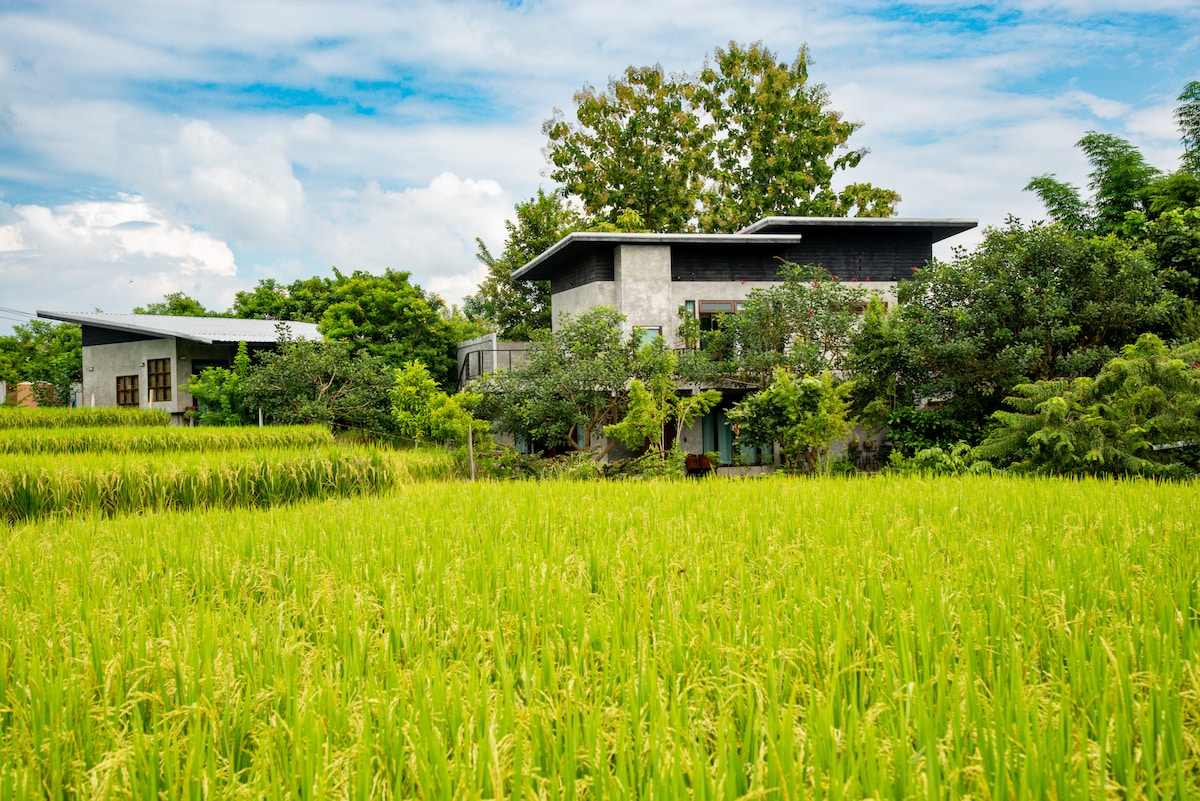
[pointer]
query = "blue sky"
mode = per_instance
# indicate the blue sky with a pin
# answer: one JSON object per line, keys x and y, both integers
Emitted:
{"x": 148, "y": 147}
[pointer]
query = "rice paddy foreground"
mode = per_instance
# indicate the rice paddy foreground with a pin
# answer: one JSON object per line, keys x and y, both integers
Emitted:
{"x": 898, "y": 637}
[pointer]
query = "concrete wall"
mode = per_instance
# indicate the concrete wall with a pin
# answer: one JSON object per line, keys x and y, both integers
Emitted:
{"x": 581, "y": 298}
{"x": 103, "y": 363}
{"x": 644, "y": 292}
{"x": 643, "y": 287}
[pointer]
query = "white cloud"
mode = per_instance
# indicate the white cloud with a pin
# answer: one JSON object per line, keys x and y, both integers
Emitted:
{"x": 112, "y": 254}
{"x": 248, "y": 191}
{"x": 429, "y": 231}
{"x": 144, "y": 98}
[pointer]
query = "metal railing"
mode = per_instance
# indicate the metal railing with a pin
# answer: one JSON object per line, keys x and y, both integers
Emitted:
{"x": 488, "y": 360}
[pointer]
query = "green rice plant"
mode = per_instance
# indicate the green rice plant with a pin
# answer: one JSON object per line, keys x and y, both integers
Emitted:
{"x": 160, "y": 439}
{"x": 45, "y": 485}
{"x": 430, "y": 463}
{"x": 20, "y": 417}
{"x": 894, "y": 637}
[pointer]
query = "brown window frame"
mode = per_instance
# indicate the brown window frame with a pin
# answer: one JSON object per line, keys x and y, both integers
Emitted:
{"x": 127, "y": 390}
{"x": 708, "y": 317}
{"x": 158, "y": 378}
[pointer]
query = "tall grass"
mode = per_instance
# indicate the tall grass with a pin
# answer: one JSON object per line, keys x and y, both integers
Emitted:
{"x": 159, "y": 439}
{"x": 44, "y": 486}
{"x": 60, "y": 417}
{"x": 891, "y": 638}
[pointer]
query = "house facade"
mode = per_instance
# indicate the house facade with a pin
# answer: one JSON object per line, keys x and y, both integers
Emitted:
{"x": 652, "y": 278}
{"x": 144, "y": 360}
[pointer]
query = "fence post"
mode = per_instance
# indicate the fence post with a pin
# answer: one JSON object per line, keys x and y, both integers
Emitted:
{"x": 471, "y": 448}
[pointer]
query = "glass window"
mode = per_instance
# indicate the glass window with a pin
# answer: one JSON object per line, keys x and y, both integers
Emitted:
{"x": 644, "y": 335}
{"x": 711, "y": 310}
{"x": 158, "y": 372}
{"x": 127, "y": 390}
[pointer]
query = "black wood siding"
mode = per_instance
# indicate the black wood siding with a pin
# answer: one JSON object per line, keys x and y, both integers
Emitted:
{"x": 598, "y": 264}
{"x": 882, "y": 256}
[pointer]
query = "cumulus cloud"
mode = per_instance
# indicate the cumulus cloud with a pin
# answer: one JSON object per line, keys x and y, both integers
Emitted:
{"x": 248, "y": 191}
{"x": 108, "y": 254}
{"x": 429, "y": 231}
{"x": 302, "y": 134}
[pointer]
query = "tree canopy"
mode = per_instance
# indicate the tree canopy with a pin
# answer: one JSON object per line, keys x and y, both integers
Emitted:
{"x": 320, "y": 382}
{"x": 177, "y": 304}
{"x": 516, "y": 309}
{"x": 1029, "y": 303}
{"x": 43, "y": 353}
{"x": 304, "y": 300}
{"x": 1140, "y": 415}
{"x": 574, "y": 382}
{"x": 745, "y": 137}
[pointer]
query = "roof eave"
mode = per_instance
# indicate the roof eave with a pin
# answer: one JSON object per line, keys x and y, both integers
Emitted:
{"x": 67, "y": 318}
{"x": 941, "y": 227}
{"x": 586, "y": 237}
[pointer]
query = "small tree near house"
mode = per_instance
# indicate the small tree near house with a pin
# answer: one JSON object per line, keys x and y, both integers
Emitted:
{"x": 804, "y": 415}
{"x": 655, "y": 402}
{"x": 574, "y": 382}
{"x": 424, "y": 413}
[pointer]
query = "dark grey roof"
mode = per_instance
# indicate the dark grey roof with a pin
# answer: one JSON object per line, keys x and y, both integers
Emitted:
{"x": 197, "y": 329}
{"x": 939, "y": 228}
{"x": 767, "y": 231}
{"x": 547, "y": 264}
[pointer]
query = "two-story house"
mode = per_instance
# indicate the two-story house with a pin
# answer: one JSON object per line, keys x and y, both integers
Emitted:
{"x": 650, "y": 277}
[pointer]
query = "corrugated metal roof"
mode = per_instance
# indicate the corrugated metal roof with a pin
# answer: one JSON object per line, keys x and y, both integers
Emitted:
{"x": 196, "y": 329}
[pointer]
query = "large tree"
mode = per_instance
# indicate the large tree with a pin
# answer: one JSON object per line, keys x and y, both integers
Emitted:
{"x": 1187, "y": 116}
{"x": 393, "y": 319}
{"x": 1120, "y": 180}
{"x": 45, "y": 353}
{"x": 177, "y": 304}
{"x": 1030, "y": 303}
{"x": 747, "y": 136}
{"x": 384, "y": 315}
{"x": 304, "y": 300}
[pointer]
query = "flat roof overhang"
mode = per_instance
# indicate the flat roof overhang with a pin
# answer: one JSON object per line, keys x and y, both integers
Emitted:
{"x": 767, "y": 231}
{"x": 939, "y": 228}
{"x": 565, "y": 250}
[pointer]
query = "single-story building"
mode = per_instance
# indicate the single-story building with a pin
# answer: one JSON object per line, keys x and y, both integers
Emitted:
{"x": 144, "y": 360}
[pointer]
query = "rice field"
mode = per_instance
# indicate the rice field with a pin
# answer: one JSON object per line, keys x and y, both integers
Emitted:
{"x": 61, "y": 417}
{"x": 158, "y": 439}
{"x": 113, "y": 483}
{"x": 888, "y": 637}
